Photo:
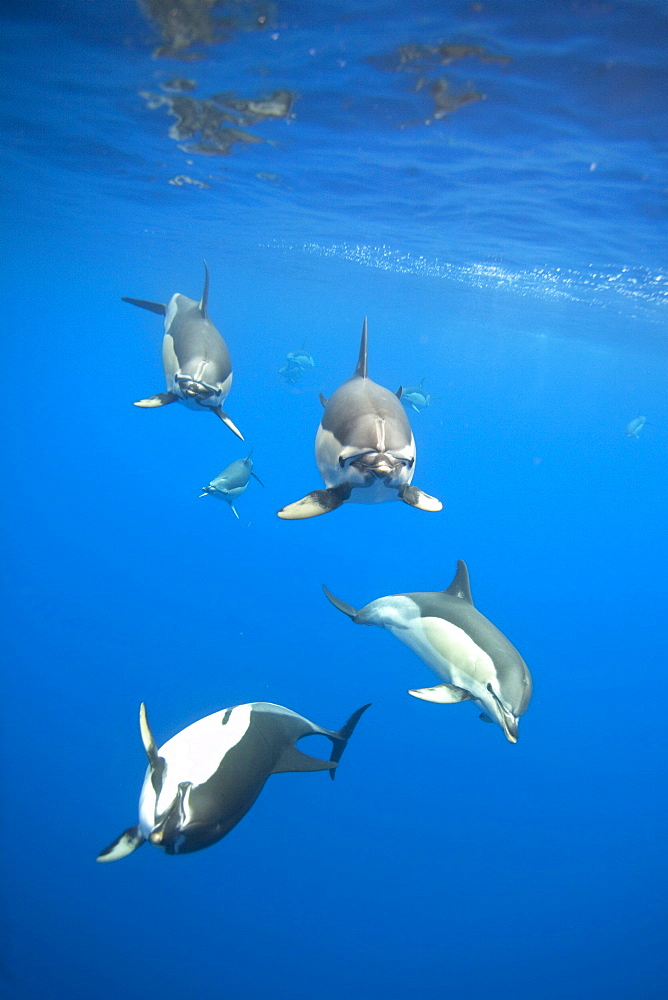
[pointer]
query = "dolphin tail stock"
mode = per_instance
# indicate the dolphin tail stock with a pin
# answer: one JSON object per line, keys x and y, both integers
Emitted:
{"x": 129, "y": 841}
{"x": 315, "y": 503}
{"x": 160, "y": 399}
{"x": 340, "y": 738}
{"x": 154, "y": 307}
{"x": 347, "y": 609}
{"x": 227, "y": 421}
{"x": 415, "y": 497}
{"x": 361, "y": 370}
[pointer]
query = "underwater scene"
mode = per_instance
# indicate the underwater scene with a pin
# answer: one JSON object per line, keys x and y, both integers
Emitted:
{"x": 266, "y": 267}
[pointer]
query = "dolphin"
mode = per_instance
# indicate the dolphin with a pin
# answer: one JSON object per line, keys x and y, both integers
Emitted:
{"x": 198, "y": 370}
{"x": 364, "y": 449}
{"x": 475, "y": 660}
{"x": 205, "y": 779}
{"x": 232, "y": 481}
{"x": 634, "y": 427}
{"x": 416, "y": 396}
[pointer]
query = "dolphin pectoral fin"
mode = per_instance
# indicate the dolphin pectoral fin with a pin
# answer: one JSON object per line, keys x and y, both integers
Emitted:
{"x": 315, "y": 503}
{"x": 340, "y": 739}
{"x": 129, "y": 841}
{"x": 323, "y": 399}
{"x": 154, "y": 307}
{"x": 416, "y": 498}
{"x": 400, "y": 391}
{"x": 292, "y": 759}
{"x": 160, "y": 399}
{"x": 228, "y": 423}
{"x": 442, "y": 694}
{"x": 258, "y": 479}
{"x": 347, "y": 609}
{"x": 234, "y": 511}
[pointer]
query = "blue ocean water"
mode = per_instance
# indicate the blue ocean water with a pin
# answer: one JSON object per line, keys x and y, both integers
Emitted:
{"x": 486, "y": 182}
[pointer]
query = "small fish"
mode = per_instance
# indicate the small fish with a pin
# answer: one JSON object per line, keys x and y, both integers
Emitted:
{"x": 232, "y": 481}
{"x": 634, "y": 427}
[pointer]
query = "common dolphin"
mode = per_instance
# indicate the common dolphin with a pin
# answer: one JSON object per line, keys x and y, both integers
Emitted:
{"x": 416, "y": 396}
{"x": 198, "y": 370}
{"x": 459, "y": 644}
{"x": 205, "y": 779}
{"x": 232, "y": 481}
{"x": 634, "y": 427}
{"x": 364, "y": 449}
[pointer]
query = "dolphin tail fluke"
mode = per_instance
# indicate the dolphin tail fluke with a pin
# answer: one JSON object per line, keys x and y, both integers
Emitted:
{"x": 416, "y": 498}
{"x": 442, "y": 694}
{"x": 205, "y": 292}
{"x": 360, "y": 371}
{"x": 154, "y": 307}
{"x": 228, "y": 422}
{"x": 347, "y": 609}
{"x": 316, "y": 503}
{"x": 160, "y": 399}
{"x": 129, "y": 841}
{"x": 340, "y": 739}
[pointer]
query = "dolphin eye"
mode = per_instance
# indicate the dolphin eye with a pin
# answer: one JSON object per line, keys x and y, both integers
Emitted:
{"x": 342, "y": 462}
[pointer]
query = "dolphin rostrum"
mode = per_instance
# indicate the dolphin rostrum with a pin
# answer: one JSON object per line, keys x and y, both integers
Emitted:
{"x": 232, "y": 481}
{"x": 475, "y": 660}
{"x": 206, "y": 778}
{"x": 198, "y": 370}
{"x": 364, "y": 449}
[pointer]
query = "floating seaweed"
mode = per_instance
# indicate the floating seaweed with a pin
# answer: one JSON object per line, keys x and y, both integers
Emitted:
{"x": 183, "y": 23}
{"x": 418, "y": 57}
{"x": 253, "y": 110}
{"x": 203, "y": 117}
{"x": 218, "y": 119}
{"x": 181, "y": 179}
{"x": 446, "y": 100}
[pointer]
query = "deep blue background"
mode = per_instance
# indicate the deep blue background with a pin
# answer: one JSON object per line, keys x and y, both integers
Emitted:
{"x": 513, "y": 255}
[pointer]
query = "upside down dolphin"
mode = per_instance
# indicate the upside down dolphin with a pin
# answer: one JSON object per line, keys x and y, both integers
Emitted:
{"x": 475, "y": 660}
{"x": 197, "y": 365}
{"x": 206, "y": 778}
{"x": 364, "y": 449}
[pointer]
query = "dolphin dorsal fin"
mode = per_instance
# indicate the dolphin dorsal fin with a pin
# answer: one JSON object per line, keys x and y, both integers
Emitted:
{"x": 360, "y": 371}
{"x": 205, "y": 292}
{"x": 460, "y": 586}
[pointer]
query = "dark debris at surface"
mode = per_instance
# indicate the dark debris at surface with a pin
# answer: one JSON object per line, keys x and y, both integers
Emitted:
{"x": 427, "y": 60}
{"x": 184, "y": 23}
{"x": 217, "y": 122}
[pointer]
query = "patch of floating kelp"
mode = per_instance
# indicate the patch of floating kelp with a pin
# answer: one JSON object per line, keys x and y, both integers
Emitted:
{"x": 183, "y": 23}
{"x": 426, "y": 60}
{"x": 218, "y": 119}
